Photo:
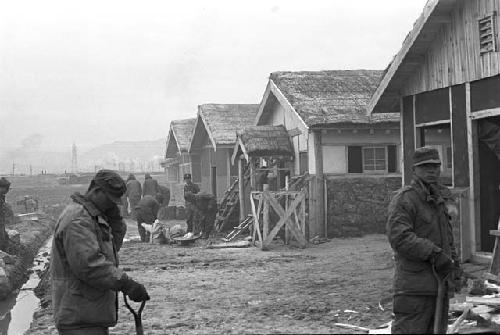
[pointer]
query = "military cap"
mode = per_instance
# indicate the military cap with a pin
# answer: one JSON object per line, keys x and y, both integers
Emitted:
{"x": 4, "y": 183}
{"x": 426, "y": 155}
{"x": 187, "y": 176}
{"x": 112, "y": 184}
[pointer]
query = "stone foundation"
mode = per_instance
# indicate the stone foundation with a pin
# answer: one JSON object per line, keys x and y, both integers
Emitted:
{"x": 358, "y": 206}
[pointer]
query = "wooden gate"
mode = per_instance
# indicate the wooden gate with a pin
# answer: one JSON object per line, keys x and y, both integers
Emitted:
{"x": 292, "y": 216}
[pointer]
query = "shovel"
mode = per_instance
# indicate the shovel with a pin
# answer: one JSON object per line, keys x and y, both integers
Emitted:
{"x": 438, "y": 313}
{"x": 137, "y": 315}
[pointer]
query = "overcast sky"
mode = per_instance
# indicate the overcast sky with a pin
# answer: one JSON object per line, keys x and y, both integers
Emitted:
{"x": 94, "y": 72}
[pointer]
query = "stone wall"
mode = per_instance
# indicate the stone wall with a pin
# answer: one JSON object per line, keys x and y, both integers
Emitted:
{"x": 358, "y": 206}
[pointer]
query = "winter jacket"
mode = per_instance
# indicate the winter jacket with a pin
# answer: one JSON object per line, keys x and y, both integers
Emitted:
{"x": 134, "y": 189}
{"x": 84, "y": 268}
{"x": 165, "y": 192}
{"x": 418, "y": 225}
{"x": 150, "y": 187}
{"x": 147, "y": 210}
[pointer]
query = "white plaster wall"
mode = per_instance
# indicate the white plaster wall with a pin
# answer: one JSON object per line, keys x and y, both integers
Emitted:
{"x": 279, "y": 116}
{"x": 334, "y": 159}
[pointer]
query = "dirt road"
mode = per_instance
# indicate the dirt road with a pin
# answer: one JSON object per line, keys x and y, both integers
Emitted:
{"x": 196, "y": 290}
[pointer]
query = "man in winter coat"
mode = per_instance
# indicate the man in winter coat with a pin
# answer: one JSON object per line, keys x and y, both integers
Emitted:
{"x": 150, "y": 186}
{"x": 147, "y": 212}
{"x": 4, "y": 212}
{"x": 420, "y": 234}
{"x": 134, "y": 193}
{"x": 206, "y": 205}
{"x": 84, "y": 263}
{"x": 190, "y": 191}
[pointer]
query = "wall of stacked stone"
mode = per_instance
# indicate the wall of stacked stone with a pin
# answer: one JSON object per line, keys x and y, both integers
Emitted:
{"x": 358, "y": 206}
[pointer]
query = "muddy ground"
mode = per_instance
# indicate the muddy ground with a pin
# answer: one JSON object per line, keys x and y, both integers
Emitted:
{"x": 197, "y": 290}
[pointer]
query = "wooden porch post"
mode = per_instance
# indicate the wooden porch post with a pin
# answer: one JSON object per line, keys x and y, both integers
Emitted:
{"x": 320, "y": 187}
{"x": 241, "y": 190}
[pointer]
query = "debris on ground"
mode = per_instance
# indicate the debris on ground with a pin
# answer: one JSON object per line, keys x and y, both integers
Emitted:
{"x": 237, "y": 244}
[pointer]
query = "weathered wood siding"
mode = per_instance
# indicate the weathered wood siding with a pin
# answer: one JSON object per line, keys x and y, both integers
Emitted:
{"x": 453, "y": 58}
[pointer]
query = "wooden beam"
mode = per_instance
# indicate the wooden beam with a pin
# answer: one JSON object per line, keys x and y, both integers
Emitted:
{"x": 473, "y": 179}
{"x": 241, "y": 190}
{"x": 485, "y": 113}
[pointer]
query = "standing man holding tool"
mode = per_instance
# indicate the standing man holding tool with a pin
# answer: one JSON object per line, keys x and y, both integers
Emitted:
{"x": 190, "y": 191}
{"x": 84, "y": 263}
{"x": 420, "y": 233}
{"x": 4, "y": 189}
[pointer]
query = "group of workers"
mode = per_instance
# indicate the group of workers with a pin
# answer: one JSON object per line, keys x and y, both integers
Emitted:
{"x": 89, "y": 233}
{"x": 144, "y": 201}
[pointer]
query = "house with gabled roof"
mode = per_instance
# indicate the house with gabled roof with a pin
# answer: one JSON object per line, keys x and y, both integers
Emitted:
{"x": 445, "y": 83}
{"x": 177, "y": 159}
{"x": 352, "y": 158}
{"x": 212, "y": 141}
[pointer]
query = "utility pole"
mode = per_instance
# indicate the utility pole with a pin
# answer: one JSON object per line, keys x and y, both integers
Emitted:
{"x": 31, "y": 170}
{"x": 13, "y": 168}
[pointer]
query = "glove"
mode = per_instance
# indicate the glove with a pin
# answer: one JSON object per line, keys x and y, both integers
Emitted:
{"x": 135, "y": 291}
{"x": 442, "y": 263}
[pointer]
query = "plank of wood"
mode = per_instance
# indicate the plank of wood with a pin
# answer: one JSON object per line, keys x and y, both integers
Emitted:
{"x": 495, "y": 260}
{"x": 353, "y": 327}
{"x": 455, "y": 326}
{"x": 483, "y": 301}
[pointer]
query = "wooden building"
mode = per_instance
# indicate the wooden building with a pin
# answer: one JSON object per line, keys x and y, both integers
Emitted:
{"x": 212, "y": 143}
{"x": 332, "y": 138}
{"x": 177, "y": 159}
{"x": 445, "y": 81}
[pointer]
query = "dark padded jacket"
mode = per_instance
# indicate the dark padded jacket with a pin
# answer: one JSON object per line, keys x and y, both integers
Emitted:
{"x": 418, "y": 225}
{"x": 150, "y": 187}
{"x": 84, "y": 268}
{"x": 134, "y": 189}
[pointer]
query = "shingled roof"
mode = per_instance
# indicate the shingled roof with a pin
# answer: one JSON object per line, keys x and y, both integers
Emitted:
{"x": 264, "y": 141}
{"x": 223, "y": 120}
{"x": 331, "y": 97}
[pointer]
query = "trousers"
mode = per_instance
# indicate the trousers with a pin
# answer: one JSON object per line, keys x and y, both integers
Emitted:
{"x": 85, "y": 331}
{"x": 414, "y": 314}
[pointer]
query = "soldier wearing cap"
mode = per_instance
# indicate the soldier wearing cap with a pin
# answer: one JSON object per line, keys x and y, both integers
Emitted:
{"x": 420, "y": 234}
{"x": 84, "y": 263}
{"x": 190, "y": 190}
{"x": 4, "y": 189}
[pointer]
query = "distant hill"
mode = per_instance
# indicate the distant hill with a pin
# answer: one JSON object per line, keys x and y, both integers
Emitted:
{"x": 120, "y": 155}
{"x": 124, "y": 155}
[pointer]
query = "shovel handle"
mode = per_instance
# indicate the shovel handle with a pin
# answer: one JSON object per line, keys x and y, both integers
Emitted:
{"x": 137, "y": 315}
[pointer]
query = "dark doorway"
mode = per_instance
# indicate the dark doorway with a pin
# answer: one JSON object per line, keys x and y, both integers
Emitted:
{"x": 214, "y": 180}
{"x": 489, "y": 180}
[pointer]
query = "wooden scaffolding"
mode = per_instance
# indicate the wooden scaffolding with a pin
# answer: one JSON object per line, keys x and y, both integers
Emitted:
{"x": 290, "y": 206}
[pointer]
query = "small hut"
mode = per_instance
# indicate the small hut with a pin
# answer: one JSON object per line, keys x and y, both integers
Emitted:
{"x": 212, "y": 142}
{"x": 177, "y": 159}
{"x": 267, "y": 152}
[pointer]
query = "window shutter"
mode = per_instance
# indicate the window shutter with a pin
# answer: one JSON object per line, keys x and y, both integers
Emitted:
{"x": 392, "y": 165}
{"x": 354, "y": 159}
{"x": 487, "y": 34}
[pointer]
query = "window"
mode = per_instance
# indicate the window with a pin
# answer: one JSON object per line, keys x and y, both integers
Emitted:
{"x": 487, "y": 34}
{"x": 374, "y": 159}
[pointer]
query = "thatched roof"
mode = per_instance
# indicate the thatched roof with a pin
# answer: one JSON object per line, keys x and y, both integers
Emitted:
{"x": 331, "y": 97}
{"x": 179, "y": 137}
{"x": 264, "y": 141}
{"x": 183, "y": 130}
{"x": 223, "y": 120}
